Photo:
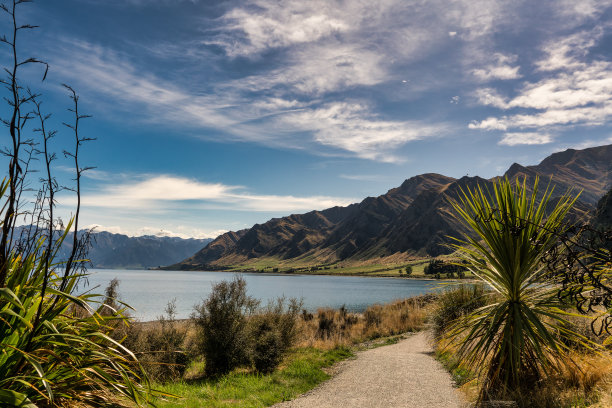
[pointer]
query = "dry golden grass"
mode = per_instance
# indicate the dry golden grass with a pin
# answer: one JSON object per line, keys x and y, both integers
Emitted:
{"x": 584, "y": 382}
{"x": 587, "y": 384}
{"x": 329, "y": 328}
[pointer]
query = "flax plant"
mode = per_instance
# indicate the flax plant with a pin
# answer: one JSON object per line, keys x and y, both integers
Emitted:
{"x": 520, "y": 337}
{"x": 54, "y": 346}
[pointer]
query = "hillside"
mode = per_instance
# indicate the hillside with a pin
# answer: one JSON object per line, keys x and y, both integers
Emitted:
{"x": 413, "y": 219}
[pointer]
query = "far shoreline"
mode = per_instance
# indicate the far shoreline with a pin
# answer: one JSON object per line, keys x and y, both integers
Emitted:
{"x": 421, "y": 277}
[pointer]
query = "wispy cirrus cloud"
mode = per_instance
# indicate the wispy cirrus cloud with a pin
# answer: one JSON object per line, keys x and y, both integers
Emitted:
{"x": 585, "y": 144}
{"x": 321, "y": 69}
{"x": 351, "y": 127}
{"x": 263, "y": 25}
{"x": 364, "y": 177}
{"x": 300, "y": 65}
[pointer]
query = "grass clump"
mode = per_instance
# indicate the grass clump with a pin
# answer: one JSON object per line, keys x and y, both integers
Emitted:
{"x": 159, "y": 345}
{"x": 456, "y": 302}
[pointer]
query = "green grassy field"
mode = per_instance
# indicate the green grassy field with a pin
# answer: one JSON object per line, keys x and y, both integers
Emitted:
{"x": 271, "y": 265}
{"x": 301, "y": 371}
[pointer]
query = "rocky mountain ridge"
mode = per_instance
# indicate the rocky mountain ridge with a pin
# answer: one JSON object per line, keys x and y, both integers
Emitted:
{"x": 414, "y": 219}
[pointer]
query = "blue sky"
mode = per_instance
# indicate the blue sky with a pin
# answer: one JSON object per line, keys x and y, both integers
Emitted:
{"x": 213, "y": 116}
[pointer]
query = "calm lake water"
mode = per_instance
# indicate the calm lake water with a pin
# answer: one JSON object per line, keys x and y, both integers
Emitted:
{"x": 149, "y": 291}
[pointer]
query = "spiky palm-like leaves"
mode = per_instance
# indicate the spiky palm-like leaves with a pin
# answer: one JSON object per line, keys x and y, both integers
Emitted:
{"x": 516, "y": 339}
{"x": 66, "y": 356}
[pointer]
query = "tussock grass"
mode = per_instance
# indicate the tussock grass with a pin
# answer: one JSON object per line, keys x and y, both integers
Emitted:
{"x": 330, "y": 328}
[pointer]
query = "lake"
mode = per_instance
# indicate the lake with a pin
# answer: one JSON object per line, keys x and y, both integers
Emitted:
{"x": 149, "y": 291}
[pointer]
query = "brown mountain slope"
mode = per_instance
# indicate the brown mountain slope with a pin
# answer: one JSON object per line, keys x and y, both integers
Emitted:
{"x": 589, "y": 170}
{"x": 414, "y": 218}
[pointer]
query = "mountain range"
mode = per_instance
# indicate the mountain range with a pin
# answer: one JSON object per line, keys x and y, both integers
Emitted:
{"x": 414, "y": 219}
{"x": 118, "y": 251}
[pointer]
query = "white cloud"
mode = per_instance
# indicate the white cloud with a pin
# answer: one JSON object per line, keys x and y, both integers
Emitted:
{"x": 277, "y": 25}
{"x": 477, "y": 18}
{"x": 168, "y": 104}
{"x": 331, "y": 45}
{"x": 321, "y": 49}
{"x": 577, "y": 12}
{"x": 566, "y": 53}
{"x": 105, "y": 71}
{"x": 590, "y": 115}
{"x": 351, "y": 127}
{"x": 526, "y": 138}
{"x": 501, "y": 68}
{"x": 491, "y": 97}
{"x": 322, "y": 68}
{"x": 161, "y": 193}
{"x": 364, "y": 177}
{"x": 579, "y": 92}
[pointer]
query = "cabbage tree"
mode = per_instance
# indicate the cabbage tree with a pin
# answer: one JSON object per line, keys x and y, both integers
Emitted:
{"x": 519, "y": 338}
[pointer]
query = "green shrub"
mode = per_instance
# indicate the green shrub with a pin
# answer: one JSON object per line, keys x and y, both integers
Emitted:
{"x": 272, "y": 332}
{"x": 437, "y": 266}
{"x": 408, "y": 270}
{"x": 268, "y": 349}
{"x": 221, "y": 320}
{"x": 346, "y": 319}
{"x": 306, "y": 315}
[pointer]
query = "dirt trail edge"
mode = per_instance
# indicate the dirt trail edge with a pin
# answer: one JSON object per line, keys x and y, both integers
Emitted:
{"x": 404, "y": 374}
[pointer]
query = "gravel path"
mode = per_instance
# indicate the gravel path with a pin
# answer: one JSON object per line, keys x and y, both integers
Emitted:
{"x": 399, "y": 375}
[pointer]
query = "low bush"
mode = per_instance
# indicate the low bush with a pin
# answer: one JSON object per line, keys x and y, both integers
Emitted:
{"x": 221, "y": 321}
{"x": 272, "y": 332}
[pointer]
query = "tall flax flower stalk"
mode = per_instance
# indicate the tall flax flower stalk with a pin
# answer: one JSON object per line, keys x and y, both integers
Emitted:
{"x": 519, "y": 338}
